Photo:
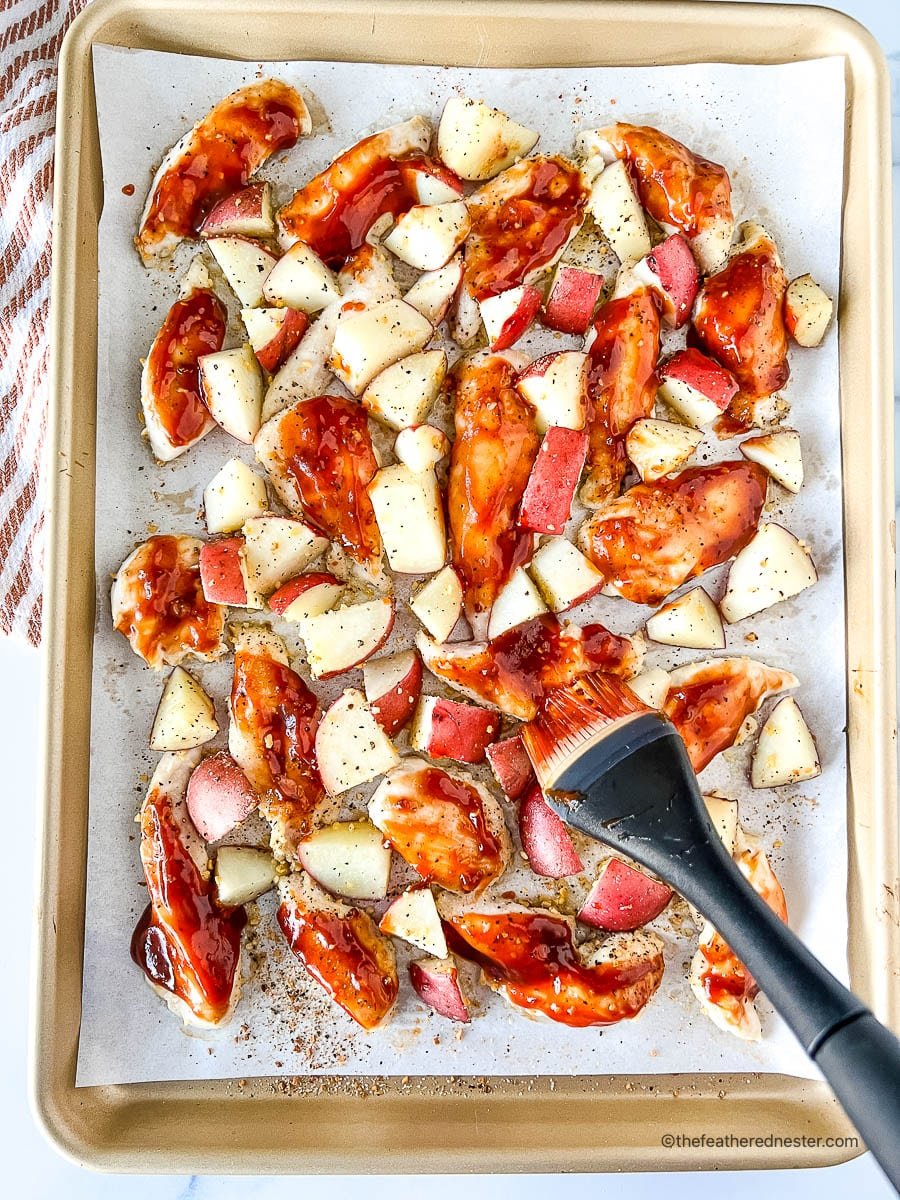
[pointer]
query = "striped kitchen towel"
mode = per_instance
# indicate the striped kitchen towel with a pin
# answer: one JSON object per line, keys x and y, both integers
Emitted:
{"x": 31, "y": 33}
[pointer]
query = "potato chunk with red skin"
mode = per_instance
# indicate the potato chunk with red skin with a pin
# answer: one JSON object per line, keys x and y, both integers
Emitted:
{"x": 658, "y": 535}
{"x": 436, "y": 982}
{"x": 545, "y": 838}
{"x": 623, "y": 898}
{"x": 447, "y": 729}
{"x": 709, "y": 701}
{"x": 219, "y": 796}
{"x": 547, "y": 502}
{"x": 341, "y": 948}
{"x": 573, "y": 297}
{"x": 511, "y": 766}
{"x": 532, "y": 961}
{"x": 221, "y": 572}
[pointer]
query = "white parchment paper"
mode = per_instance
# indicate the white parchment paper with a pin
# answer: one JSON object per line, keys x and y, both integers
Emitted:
{"x": 780, "y": 132}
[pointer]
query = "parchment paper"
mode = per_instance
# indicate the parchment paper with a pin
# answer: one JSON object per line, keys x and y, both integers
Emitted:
{"x": 780, "y": 132}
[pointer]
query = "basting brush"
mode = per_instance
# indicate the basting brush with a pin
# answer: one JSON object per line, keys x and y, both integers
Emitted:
{"x": 619, "y": 772}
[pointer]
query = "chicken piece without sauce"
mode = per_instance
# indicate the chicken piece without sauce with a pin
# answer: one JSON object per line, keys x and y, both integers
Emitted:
{"x": 320, "y": 458}
{"x": 272, "y": 736}
{"x": 158, "y": 603}
{"x": 449, "y": 828}
{"x": 658, "y": 535}
{"x": 720, "y": 981}
{"x": 492, "y": 456}
{"x": 621, "y": 389}
{"x": 186, "y": 943}
{"x": 215, "y": 158}
{"x": 341, "y": 948}
{"x": 530, "y": 958}
{"x": 739, "y": 320}
{"x": 708, "y": 702}
{"x": 515, "y": 671}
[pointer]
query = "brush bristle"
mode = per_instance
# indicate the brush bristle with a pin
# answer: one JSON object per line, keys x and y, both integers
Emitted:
{"x": 573, "y": 716}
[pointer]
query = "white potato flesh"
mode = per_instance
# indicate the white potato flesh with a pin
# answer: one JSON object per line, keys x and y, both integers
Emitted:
{"x": 564, "y": 576}
{"x": 614, "y": 205}
{"x": 518, "y": 601}
{"x": 692, "y": 621}
{"x": 421, "y": 447}
{"x": 658, "y": 448}
{"x": 301, "y": 280}
{"x": 433, "y": 293}
{"x": 234, "y": 495}
{"x": 276, "y": 549}
{"x": 724, "y": 815}
{"x": 232, "y": 384}
{"x": 367, "y": 341}
{"x": 428, "y": 235}
{"x": 808, "y": 310}
{"x": 245, "y": 266}
{"x": 558, "y": 394}
{"x": 410, "y": 516}
{"x": 786, "y": 751}
{"x": 478, "y": 142}
{"x": 242, "y": 874}
{"x": 402, "y": 394}
{"x": 186, "y": 716}
{"x": 414, "y": 917}
{"x": 348, "y": 858}
{"x": 772, "y": 567}
{"x": 780, "y": 455}
{"x": 651, "y": 686}
{"x": 345, "y": 637}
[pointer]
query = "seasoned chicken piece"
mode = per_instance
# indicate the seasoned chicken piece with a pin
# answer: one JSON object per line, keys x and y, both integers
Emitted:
{"x": 681, "y": 190}
{"x": 341, "y": 948}
{"x": 272, "y": 738}
{"x": 709, "y": 701}
{"x": 319, "y": 456}
{"x": 521, "y": 222}
{"x": 532, "y": 961}
{"x": 334, "y": 212}
{"x": 739, "y": 320}
{"x": 493, "y": 453}
{"x": 158, "y": 603}
{"x": 720, "y": 981}
{"x": 657, "y": 535}
{"x": 175, "y": 413}
{"x": 516, "y": 670}
{"x": 186, "y": 943}
{"x": 215, "y": 158}
{"x": 449, "y": 828}
{"x": 622, "y": 388}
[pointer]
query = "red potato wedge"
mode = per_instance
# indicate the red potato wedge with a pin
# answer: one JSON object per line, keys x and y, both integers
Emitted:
{"x": 344, "y": 638}
{"x": 245, "y": 213}
{"x": 221, "y": 573}
{"x": 274, "y": 333}
{"x": 448, "y": 729}
{"x": 545, "y": 839}
{"x": 511, "y": 766}
{"x": 556, "y": 386}
{"x": 572, "y": 299}
{"x": 219, "y": 796}
{"x": 351, "y": 747}
{"x": 392, "y": 686}
{"x": 696, "y": 387}
{"x": 307, "y": 595}
{"x": 508, "y": 315}
{"x": 547, "y": 502}
{"x": 623, "y": 898}
{"x": 670, "y": 269}
{"x": 436, "y": 982}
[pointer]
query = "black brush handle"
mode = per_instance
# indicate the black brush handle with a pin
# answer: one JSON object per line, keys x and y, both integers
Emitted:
{"x": 662, "y": 822}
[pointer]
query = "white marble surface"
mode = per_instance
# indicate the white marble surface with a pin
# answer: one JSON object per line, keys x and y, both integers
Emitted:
{"x": 34, "y": 1170}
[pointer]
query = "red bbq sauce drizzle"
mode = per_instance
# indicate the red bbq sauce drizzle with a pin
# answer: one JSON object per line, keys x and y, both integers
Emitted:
{"x": 327, "y": 451}
{"x": 195, "y": 326}
{"x": 224, "y": 151}
{"x": 334, "y": 212}
{"x": 439, "y": 827}
{"x": 273, "y": 706}
{"x": 533, "y": 957}
{"x": 347, "y": 956}
{"x": 725, "y": 977}
{"x": 184, "y": 942}
{"x": 516, "y": 232}
{"x": 166, "y": 610}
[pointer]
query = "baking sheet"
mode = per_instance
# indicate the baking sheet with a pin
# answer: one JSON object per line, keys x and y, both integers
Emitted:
{"x": 780, "y": 131}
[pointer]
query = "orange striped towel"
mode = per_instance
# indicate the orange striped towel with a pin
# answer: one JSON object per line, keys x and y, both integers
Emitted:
{"x": 31, "y": 33}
